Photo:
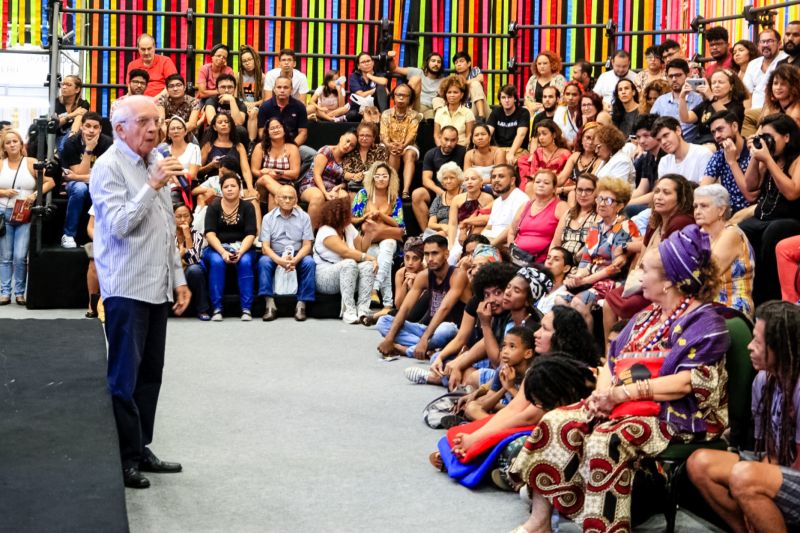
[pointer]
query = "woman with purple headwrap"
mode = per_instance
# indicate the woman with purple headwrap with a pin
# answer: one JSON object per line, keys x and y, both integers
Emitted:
{"x": 662, "y": 383}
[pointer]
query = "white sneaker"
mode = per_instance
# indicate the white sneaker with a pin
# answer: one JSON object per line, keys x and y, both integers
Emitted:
{"x": 68, "y": 242}
{"x": 246, "y": 316}
{"x": 217, "y": 316}
{"x": 350, "y": 317}
{"x": 417, "y": 374}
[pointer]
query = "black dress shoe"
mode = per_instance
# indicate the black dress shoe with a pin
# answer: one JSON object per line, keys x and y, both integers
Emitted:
{"x": 151, "y": 463}
{"x": 300, "y": 314}
{"x": 270, "y": 314}
{"x": 134, "y": 479}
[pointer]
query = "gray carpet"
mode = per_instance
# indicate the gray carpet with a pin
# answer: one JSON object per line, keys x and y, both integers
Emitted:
{"x": 286, "y": 427}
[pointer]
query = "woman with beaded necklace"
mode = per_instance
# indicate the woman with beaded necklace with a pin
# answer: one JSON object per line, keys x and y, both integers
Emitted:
{"x": 773, "y": 182}
{"x": 663, "y": 382}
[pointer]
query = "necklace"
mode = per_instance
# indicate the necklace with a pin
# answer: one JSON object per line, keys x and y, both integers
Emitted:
{"x": 767, "y": 194}
{"x": 230, "y": 217}
{"x": 552, "y": 154}
{"x": 637, "y": 343}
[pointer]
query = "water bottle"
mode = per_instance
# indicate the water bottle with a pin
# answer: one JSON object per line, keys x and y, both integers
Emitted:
{"x": 340, "y": 81}
{"x": 288, "y": 252}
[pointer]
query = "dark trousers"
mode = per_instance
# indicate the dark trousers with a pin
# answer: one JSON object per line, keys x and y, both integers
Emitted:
{"x": 198, "y": 285}
{"x": 764, "y": 236}
{"x": 136, "y": 332}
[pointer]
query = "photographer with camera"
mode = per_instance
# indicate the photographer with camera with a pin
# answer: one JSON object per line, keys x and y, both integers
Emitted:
{"x": 773, "y": 181}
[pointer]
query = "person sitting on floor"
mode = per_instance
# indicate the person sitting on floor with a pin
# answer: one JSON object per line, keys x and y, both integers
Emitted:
{"x": 286, "y": 239}
{"x": 446, "y": 285}
{"x": 230, "y": 229}
{"x": 758, "y": 492}
{"x": 412, "y": 265}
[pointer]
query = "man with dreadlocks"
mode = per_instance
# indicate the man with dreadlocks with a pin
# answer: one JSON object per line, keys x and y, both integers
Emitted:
{"x": 763, "y": 495}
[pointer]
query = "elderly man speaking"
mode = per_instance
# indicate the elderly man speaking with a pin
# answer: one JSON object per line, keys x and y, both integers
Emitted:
{"x": 139, "y": 268}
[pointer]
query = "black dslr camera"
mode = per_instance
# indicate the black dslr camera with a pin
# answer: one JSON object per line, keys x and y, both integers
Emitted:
{"x": 762, "y": 140}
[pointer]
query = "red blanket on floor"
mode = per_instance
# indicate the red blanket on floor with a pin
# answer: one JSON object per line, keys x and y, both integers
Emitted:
{"x": 482, "y": 446}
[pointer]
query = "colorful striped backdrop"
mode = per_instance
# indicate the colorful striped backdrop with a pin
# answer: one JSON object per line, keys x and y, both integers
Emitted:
{"x": 26, "y": 22}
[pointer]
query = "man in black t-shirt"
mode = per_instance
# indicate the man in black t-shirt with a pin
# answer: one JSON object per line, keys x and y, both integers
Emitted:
{"x": 434, "y": 158}
{"x": 509, "y": 124}
{"x": 79, "y": 154}
{"x": 550, "y": 97}
{"x": 646, "y": 165}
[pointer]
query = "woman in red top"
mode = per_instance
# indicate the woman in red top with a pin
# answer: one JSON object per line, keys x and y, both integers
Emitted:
{"x": 552, "y": 152}
{"x": 535, "y": 223}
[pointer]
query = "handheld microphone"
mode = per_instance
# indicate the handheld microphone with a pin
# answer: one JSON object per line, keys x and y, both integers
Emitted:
{"x": 164, "y": 151}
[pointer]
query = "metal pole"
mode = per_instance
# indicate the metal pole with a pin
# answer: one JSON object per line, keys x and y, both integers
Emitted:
{"x": 55, "y": 55}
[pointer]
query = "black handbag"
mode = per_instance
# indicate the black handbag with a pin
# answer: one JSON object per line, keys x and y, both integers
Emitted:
{"x": 520, "y": 257}
{"x": 2, "y": 224}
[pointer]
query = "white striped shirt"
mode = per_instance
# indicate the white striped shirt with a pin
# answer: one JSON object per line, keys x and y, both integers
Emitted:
{"x": 134, "y": 241}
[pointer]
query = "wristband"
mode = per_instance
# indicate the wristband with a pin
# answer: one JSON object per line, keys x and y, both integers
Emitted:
{"x": 88, "y": 152}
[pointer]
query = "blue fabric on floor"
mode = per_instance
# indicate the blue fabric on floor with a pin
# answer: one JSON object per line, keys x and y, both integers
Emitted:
{"x": 471, "y": 474}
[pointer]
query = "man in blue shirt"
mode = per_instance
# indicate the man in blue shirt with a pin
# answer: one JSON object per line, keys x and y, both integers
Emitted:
{"x": 728, "y": 165}
{"x": 667, "y": 104}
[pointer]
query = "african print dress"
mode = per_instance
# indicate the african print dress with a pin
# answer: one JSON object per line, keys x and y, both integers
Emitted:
{"x": 585, "y": 466}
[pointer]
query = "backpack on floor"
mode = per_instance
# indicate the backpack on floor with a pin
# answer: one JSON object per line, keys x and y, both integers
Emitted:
{"x": 442, "y": 406}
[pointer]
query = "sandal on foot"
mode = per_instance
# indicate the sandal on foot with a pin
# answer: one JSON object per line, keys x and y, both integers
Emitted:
{"x": 21, "y": 300}
{"x": 436, "y": 460}
{"x": 367, "y": 320}
{"x": 406, "y": 195}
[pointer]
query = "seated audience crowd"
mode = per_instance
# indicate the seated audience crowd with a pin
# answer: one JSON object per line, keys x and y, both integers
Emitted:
{"x": 567, "y": 258}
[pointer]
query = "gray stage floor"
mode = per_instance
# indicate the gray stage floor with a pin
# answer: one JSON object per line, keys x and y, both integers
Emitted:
{"x": 290, "y": 427}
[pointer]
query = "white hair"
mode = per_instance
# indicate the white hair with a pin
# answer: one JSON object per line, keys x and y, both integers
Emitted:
{"x": 450, "y": 168}
{"x": 719, "y": 196}
{"x": 126, "y": 109}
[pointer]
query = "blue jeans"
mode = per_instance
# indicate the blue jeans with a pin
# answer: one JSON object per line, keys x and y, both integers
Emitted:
{"x": 78, "y": 197}
{"x": 306, "y": 274}
{"x": 196, "y": 280}
{"x": 14, "y": 256}
{"x": 411, "y": 332}
{"x": 215, "y": 266}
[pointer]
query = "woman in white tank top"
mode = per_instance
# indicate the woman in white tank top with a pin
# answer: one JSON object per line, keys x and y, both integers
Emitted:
{"x": 17, "y": 182}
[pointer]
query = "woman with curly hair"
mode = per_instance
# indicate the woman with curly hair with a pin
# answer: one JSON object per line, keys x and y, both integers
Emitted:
{"x": 603, "y": 261}
{"x": 663, "y": 382}
{"x": 783, "y": 93}
{"x": 545, "y": 72}
{"x": 454, "y": 93}
{"x": 342, "y": 268}
{"x": 744, "y": 52}
{"x": 724, "y": 91}
{"x": 564, "y": 329}
{"x": 614, "y": 162}
{"x": 650, "y": 94}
